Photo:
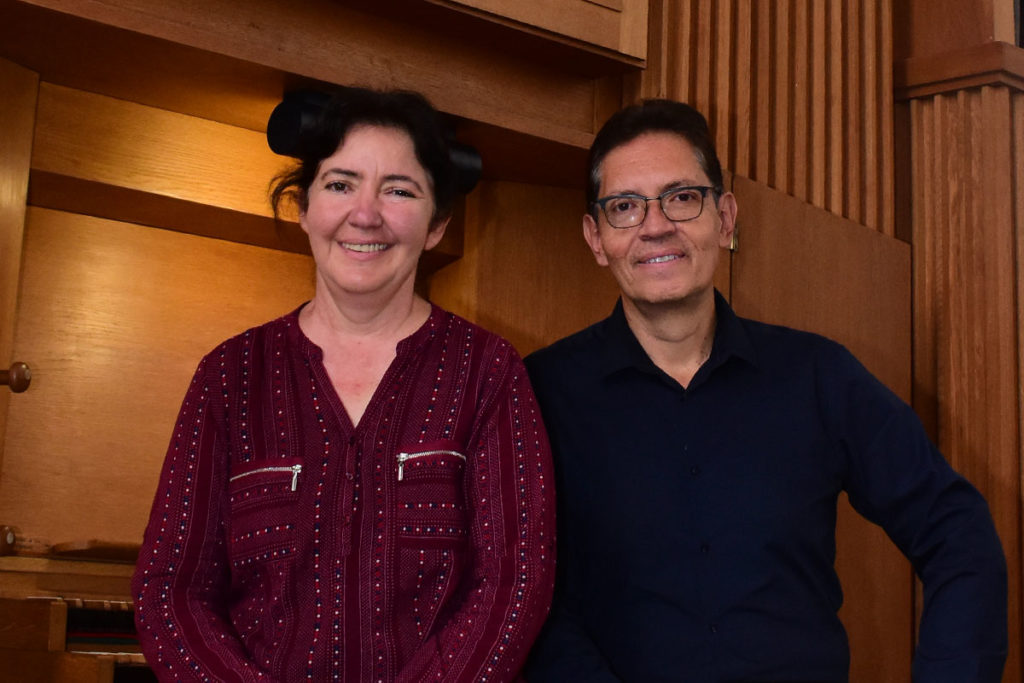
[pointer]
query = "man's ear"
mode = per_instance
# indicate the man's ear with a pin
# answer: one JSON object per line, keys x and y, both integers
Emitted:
{"x": 727, "y": 209}
{"x": 436, "y": 232}
{"x": 592, "y": 235}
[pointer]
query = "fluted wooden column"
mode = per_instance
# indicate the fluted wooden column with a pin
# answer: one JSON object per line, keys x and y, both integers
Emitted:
{"x": 967, "y": 194}
{"x": 797, "y": 92}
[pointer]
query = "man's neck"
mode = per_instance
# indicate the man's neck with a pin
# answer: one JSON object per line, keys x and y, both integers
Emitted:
{"x": 677, "y": 336}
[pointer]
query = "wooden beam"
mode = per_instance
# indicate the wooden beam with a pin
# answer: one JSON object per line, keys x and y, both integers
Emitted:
{"x": 322, "y": 41}
{"x": 994, "y": 63}
{"x": 18, "y": 89}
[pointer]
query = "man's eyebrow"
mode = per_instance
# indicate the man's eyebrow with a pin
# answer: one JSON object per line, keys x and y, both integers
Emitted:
{"x": 670, "y": 185}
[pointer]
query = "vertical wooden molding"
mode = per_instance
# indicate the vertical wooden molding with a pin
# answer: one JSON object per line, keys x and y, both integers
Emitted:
{"x": 764, "y": 110}
{"x": 722, "y": 111}
{"x": 853, "y": 120}
{"x": 800, "y": 157}
{"x": 1015, "y": 549}
{"x": 19, "y": 90}
{"x": 782, "y": 50}
{"x": 966, "y": 168}
{"x": 885, "y": 152}
{"x": 743, "y": 82}
{"x": 819, "y": 104}
{"x": 868, "y": 134}
{"x": 837, "y": 152}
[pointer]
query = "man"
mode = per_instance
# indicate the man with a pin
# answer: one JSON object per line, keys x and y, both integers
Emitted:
{"x": 700, "y": 455}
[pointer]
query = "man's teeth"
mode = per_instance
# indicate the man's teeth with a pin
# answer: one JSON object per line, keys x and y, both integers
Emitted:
{"x": 365, "y": 247}
{"x": 662, "y": 259}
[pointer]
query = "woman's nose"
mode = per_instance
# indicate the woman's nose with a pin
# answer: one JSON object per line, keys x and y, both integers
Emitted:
{"x": 365, "y": 212}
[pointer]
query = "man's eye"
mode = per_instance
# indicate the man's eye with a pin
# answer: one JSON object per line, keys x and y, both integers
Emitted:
{"x": 684, "y": 197}
{"x": 623, "y": 205}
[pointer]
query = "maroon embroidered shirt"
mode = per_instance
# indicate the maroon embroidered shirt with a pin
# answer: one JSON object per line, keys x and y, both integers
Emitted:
{"x": 286, "y": 544}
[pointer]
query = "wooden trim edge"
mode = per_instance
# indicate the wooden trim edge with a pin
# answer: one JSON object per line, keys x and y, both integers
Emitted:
{"x": 994, "y": 63}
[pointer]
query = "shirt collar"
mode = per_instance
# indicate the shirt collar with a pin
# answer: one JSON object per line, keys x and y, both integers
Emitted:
{"x": 622, "y": 349}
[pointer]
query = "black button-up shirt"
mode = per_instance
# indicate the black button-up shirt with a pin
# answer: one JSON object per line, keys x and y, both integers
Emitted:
{"x": 697, "y": 525}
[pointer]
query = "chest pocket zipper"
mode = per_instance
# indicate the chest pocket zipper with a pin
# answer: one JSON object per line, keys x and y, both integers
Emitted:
{"x": 294, "y": 469}
{"x": 405, "y": 457}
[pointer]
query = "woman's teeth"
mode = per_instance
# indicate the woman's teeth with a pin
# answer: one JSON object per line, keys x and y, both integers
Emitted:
{"x": 365, "y": 247}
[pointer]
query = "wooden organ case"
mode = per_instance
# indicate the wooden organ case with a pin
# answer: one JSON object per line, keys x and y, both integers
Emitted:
{"x": 135, "y": 234}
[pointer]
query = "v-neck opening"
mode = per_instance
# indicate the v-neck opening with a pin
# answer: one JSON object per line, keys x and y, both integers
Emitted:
{"x": 404, "y": 350}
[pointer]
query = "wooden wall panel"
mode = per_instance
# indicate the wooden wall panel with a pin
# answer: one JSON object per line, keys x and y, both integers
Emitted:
{"x": 113, "y": 319}
{"x": 967, "y": 151}
{"x": 798, "y": 93}
{"x": 107, "y": 157}
{"x": 526, "y": 273}
{"x": 332, "y": 42}
{"x": 804, "y": 267}
{"x": 18, "y": 89}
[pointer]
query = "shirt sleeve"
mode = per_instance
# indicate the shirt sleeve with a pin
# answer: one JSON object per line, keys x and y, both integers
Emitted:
{"x": 182, "y": 571}
{"x": 899, "y": 480}
{"x": 510, "y": 493}
{"x": 564, "y": 651}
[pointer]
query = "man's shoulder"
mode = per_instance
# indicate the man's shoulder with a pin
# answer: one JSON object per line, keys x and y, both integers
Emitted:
{"x": 579, "y": 348}
{"x": 775, "y": 340}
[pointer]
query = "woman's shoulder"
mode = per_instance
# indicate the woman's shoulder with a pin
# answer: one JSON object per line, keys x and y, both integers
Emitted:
{"x": 277, "y": 332}
{"x": 457, "y": 327}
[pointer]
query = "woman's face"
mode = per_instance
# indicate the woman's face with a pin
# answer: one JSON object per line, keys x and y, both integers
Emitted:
{"x": 369, "y": 214}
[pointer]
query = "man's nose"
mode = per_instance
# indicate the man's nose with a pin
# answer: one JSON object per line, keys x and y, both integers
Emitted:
{"x": 655, "y": 223}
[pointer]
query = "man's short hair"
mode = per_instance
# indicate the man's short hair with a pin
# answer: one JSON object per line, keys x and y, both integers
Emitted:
{"x": 652, "y": 116}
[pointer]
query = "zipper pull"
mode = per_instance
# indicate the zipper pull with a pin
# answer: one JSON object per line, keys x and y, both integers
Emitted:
{"x": 295, "y": 476}
{"x": 402, "y": 457}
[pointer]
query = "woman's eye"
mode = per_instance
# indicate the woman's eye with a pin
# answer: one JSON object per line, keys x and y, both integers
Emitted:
{"x": 400, "y": 192}
{"x": 336, "y": 186}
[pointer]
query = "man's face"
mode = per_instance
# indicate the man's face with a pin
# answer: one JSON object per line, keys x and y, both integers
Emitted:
{"x": 660, "y": 261}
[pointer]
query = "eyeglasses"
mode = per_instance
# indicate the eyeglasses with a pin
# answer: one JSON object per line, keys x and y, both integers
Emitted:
{"x": 678, "y": 204}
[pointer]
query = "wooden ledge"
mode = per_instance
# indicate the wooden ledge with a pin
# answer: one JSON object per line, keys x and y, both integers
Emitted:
{"x": 994, "y": 63}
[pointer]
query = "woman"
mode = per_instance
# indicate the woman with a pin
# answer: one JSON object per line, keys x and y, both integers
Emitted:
{"x": 361, "y": 489}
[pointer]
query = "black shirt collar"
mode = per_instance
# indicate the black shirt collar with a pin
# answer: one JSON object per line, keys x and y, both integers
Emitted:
{"x": 622, "y": 349}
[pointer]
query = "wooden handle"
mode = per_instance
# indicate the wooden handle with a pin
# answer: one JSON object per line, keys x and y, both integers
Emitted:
{"x": 18, "y": 377}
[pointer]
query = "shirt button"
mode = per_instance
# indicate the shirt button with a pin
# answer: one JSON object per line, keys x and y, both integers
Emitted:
{"x": 705, "y": 548}
{"x": 352, "y": 440}
{"x": 713, "y": 628}
{"x": 695, "y": 470}
{"x": 350, "y": 476}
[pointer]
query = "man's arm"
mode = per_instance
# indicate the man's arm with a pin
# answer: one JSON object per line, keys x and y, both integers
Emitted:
{"x": 896, "y": 478}
{"x": 182, "y": 568}
{"x": 564, "y": 652}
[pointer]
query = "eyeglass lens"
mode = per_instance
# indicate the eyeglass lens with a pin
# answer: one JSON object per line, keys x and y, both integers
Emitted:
{"x": 678, "y": 205}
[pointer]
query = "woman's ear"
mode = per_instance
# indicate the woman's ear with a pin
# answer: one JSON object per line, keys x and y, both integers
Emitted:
{"x": 436, "y": 232}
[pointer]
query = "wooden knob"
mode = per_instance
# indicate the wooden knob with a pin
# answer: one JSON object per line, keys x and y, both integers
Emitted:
{"x": 18, "y": 377}
{"x": 8, "y": 539}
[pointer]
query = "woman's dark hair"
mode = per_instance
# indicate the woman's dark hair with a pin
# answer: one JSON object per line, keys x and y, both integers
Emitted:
{"x": 652, "y": 116}
{"x": 402, "y": 110}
